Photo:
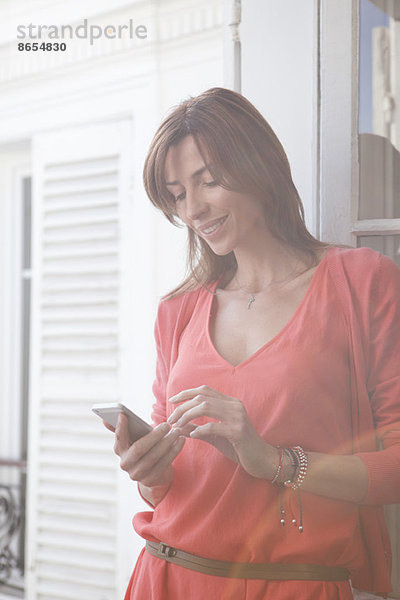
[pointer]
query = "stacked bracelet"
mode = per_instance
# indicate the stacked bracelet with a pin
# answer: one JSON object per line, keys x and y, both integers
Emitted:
{"x": 299, "y": 462}
{"x": 301, "y": 468}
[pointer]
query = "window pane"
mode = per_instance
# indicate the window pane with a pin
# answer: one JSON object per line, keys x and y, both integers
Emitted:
{"x": 379, "y": 139}
{"x": 371, "y": 17}
{"x": 385, "y": 244}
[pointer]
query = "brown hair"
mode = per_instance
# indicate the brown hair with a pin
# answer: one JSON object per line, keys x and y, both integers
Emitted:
{"x": 244, "y": 155}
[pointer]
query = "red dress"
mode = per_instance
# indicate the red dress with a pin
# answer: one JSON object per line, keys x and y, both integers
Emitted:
{"x": 296, "y": 390}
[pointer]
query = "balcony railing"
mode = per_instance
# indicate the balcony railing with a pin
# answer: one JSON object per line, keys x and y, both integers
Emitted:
{"x": 12, "y": 523}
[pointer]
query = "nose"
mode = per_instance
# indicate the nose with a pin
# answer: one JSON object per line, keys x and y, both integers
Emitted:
{"x": 195, "y": 207}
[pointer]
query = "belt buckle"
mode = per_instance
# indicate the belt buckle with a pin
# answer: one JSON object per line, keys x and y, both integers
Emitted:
{"x": 166, "y": 550}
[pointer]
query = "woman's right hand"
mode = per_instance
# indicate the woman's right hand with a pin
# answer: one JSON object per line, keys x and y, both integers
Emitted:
{"x": 149, "y": 460}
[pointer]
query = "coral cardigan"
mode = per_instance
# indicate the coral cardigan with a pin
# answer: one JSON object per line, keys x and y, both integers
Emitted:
{"x": 368, "y": 290}
{"x": 368, "y": 285}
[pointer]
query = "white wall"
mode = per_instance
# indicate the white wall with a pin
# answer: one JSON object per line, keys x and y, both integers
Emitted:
{"x": 139, "y": 81}
{"x": 279, "y": 70}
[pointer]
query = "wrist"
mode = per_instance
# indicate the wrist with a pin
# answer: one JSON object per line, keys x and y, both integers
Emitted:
{"x": 270, "y": 462}
{"x": 153, "y": 494}
{"x": 290, "y": 466}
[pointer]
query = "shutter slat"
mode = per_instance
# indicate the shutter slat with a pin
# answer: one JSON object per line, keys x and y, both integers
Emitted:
{"x": 79, "y": 272}
{"x": 80, "y": 173}
{"x": 81, "y": 222}
{"x": 68, "y": 560}
{"x": 87, "y": 253}
{"x": 80, "y": 189}
{"x": 74, "y": 238}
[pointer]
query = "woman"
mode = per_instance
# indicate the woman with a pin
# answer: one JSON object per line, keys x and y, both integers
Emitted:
{"x": 276, "y": 356}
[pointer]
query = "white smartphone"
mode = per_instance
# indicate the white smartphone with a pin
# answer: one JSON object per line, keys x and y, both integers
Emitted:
{"x": 110, "y": 412}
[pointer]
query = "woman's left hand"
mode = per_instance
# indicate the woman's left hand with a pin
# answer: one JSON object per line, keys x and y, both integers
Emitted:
{"x": 231, "y": 432}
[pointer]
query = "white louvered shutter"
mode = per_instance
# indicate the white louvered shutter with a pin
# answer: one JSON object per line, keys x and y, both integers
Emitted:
{"x": 80, "y": 185}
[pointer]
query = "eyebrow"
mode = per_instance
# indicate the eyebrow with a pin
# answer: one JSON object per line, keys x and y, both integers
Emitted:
{"x": 193, "y": 176}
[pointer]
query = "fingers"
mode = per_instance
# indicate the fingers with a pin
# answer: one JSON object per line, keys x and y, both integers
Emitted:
{"x": 188, "y": 394}
{"x": 229, "y": 418}
{"x": 205, "y": 402}
{"x": 180, "y": 410}
{"x": 122, "y": 439}
{"x": 211, "y": 429}
{"x": 155, "y": 476}
{"x": 200, "y": 406}
{"x": 148, "y": 459}
{"x": 151, "y": 469}
{"x": 187, "y": 429}
{"x": 140, "y": 457}
{"x": 108, "y": 426}
{"x": 205, "y": 397}
{"x": 146, "y": 443}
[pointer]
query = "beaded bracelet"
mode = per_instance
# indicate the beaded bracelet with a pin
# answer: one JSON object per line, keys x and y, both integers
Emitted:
{"x": 279, "y": 468}
{"x": 302, "y": 462}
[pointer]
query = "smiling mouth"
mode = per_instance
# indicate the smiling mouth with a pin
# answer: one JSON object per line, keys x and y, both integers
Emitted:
{"x": 214, "y": 226}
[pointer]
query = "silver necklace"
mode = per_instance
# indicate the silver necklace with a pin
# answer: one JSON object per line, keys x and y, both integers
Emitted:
{"x": 252, "y": 295}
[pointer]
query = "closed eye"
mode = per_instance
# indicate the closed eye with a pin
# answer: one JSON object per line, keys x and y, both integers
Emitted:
{"x": 180, "y": 196}
{"x": 210, "y": 183}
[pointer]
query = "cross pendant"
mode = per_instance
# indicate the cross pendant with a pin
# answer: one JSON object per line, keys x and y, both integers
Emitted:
{"x": 250, "y": 301}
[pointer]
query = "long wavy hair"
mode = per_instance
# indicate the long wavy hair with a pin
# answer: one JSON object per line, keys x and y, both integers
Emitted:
{"x": 244, "y": 155}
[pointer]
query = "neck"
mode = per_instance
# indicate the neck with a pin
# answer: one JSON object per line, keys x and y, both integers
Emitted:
{"x": 256, "y": 271}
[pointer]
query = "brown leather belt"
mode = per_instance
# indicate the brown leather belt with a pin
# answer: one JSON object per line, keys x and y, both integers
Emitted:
{"x": 277, "y": 571}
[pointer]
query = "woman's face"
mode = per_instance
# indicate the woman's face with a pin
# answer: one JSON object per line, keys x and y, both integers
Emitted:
{"x": 226, "y": 220}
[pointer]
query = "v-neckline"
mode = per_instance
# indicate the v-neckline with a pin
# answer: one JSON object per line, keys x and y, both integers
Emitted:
{"x": 278, "y": 335}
